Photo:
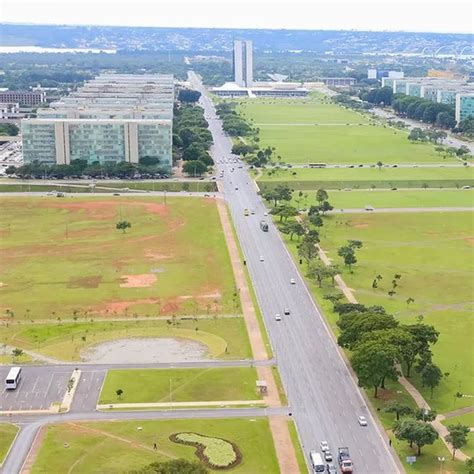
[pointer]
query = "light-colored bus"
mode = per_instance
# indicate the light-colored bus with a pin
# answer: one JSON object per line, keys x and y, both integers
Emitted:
{"x": 13, "y": 378}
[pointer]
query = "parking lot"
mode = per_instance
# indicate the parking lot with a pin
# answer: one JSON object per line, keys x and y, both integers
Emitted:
{"x": 39, "y": 387}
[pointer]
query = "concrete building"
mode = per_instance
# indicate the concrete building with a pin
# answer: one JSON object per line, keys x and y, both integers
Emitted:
{"x": 269, "y": 89}
{"x": 379, "y": 73}
{"x": 30, "y": 98}
{"x": 464, "y": 106}
{"x": 115, "y": 117}
{"x": 337, "y": 81}
{"x": 243, "y": 63}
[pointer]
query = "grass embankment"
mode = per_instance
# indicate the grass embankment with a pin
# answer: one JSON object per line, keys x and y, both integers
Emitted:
{"x": 297, "y": 446}
{"x": 180, "y": 385}
{"x": 8, "y": 432}
{"x": 167, "y": 263}
{"x": 225, "y": 338}
{"x": 126, "y": 446}
{"x": 368, "y": 178}
{"x": 315, "y": 131}
{"x": 390, "y": 199}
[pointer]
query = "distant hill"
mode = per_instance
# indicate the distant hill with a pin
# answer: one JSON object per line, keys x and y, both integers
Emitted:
{"x": 207, "y": 39}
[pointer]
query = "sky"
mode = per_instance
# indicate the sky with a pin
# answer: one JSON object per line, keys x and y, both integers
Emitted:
{"x": 401, "y": 15}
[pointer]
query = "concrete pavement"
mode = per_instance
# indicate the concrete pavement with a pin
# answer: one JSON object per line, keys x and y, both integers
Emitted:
{"x": 324, "y": 397}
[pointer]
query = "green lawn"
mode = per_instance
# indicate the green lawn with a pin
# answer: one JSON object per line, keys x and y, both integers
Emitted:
{"x": 8, "y": 432}
{"x": 225, "y": 338}
{"x": 388, "y": 198}
{"x": 467, "y": 419}
{"x": 123, "y": 446}
{"x": 433, "y": 252}
{"x": 180, "y": 385}
{"x": 314, "y": 110}
{"x": 298, "y": 450}
{"x": 167, "y": 263}
{"x": 309, "y": 131}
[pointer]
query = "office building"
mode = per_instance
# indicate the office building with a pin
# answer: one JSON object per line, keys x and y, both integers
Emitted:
{"x": 243, "y": 63}
{"x": 464, "y": 106}
{"x": 379, "y": 73}
{"x": 337, "y": 81}
{"x": 29, "y": 98}
{"x": 113, "y": 118}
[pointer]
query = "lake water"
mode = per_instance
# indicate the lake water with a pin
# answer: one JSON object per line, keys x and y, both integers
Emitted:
{"x": 39, "y": 49}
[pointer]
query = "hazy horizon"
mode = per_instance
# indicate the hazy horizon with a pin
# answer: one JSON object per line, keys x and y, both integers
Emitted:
{"x": 418, "y": 16}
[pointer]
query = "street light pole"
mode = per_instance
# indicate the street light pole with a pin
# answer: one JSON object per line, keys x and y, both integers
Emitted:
{"x": 441, "y": 461}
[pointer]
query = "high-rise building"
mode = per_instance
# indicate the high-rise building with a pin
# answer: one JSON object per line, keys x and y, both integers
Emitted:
{"x": 115, "y": 117}
{"x": 243, "y": 63}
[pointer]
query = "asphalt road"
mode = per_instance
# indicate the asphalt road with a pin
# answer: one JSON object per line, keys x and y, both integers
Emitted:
{"x": 324, "y": 397}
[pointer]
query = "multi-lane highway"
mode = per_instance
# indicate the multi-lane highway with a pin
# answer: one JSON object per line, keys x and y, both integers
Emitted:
{"x": 324, "y": 397}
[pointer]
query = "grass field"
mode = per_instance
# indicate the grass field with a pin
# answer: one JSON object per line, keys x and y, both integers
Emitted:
{"x": 466, "y": 419}
{"x": 300, "y": 457}
{"x": 8, "y": 432}
{"x": 367, "y": 178}
{"x": 180, "y": 385}
{"x": 311, "y": 131}
{"x": 122, "y": 447}
{"x": 433, "y": 252}
{"x": 225, "y": 338}
{"x": 390, "y": 199}
{"x": 168, "y": 263}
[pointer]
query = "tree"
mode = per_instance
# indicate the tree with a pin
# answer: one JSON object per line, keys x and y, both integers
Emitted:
{"x": 415, "y": 432}
{"x": 423, "y": 336}
{"x": 292, "y": 228}
{"x": 470, "y": 465}
{"x": 325, "y": 207}
{"x": 119, "y": 392}
{"x": 175, "y": 466}
{"x": 284, "y": 212}
{"x": 123, "y": 226}
{"x": 188, "y": 95}
{"x": 356, "y": 325}
{"x": 348, "y": 255}
{"x": 431, "y": 376}
{"x": 462, "y": 150}
{"x": 317, "y": 271}
{"x": 321, "y": 195}
{"x": 424, "y": 414}
{"x": 373, "y": 362}
{"x": 307, "y": 250}
{"x": 398, "y": 408}
{"x": 194, "y": 168}
{"x": 316, "y": 220}
{"x": 16, "y": 353}
{"x": 379, "y": 165}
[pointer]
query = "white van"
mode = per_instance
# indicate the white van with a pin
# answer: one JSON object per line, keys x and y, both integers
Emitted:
{"x": 13, "y": 378}
{"x": 316, "y": 462}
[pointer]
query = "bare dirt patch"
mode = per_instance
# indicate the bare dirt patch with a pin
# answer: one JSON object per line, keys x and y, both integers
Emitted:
{"x": 85, "y": 282}
{"x": 138, "y": 281}
{"x": 361, "y": 225}
{"x": 157, "y": 257}
{"x": 120, "y": 307}
{"x": 469, "y": 240}
{"x": 145, "y": 350}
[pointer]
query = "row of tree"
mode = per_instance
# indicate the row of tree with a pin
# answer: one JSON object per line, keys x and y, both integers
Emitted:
{"x": 417, "y": 108}
{"x": 9, "y": 129}
{"x": 191, "y": 136}
{"x": 148, "y": 167}
{"x": 232, "y": 122}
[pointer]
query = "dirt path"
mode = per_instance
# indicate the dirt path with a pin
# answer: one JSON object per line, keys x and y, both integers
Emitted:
{"x": 33, "y": 452}
{"x": 458, "y": 412}
{"x": 250, "y": 317}
{"x": 284, "y": 446}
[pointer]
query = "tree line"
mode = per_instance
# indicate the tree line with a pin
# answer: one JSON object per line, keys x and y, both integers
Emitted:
{"x": 191, "y": 136}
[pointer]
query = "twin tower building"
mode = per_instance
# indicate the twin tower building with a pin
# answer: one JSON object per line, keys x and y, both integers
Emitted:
{"x": 243, "y": 63}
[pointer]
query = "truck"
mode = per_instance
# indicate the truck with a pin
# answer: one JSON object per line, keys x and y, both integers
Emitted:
{"x": 345, "y": 463}
{"x": 264, "y": 226}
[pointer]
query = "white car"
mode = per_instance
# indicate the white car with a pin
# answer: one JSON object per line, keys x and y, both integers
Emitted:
{"x": 362, "y": 420}
{"x": 265, "y": 214}
{"x": 292, "y": 281}
{"x": 277, "y": 317}
{"x": 261, "y": 258}
{"x": 287, "y": 311}
{"x": 324, "y": 446}
{"x": 327, "y": 456}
